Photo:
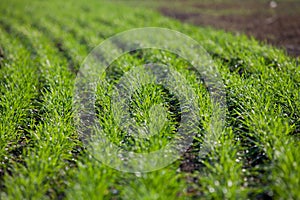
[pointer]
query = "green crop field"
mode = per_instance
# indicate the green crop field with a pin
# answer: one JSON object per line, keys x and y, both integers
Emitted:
{"x": 43, "y": 156}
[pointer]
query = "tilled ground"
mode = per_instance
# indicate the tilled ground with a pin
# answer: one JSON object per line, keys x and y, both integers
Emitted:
{"x": 277, "y": 23}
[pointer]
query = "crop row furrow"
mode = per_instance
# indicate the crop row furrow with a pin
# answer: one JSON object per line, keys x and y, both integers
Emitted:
{"x": 267, "y": 129}
{"x": 53, "y": 137}
{"x": 64, "y": 44}
{"x": 18, "y": 88}
{"x": 130, "y": 180}
{"x": 82, "y": 179}
{"x": 14, "y": 32}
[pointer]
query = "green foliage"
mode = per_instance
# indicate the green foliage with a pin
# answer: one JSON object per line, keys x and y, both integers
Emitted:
{"x": 42, "y": 156}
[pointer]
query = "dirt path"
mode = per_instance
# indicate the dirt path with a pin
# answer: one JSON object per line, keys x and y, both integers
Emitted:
{"x": 277, "y": 23}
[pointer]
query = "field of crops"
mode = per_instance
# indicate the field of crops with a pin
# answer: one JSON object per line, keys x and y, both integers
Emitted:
{"x": 43, "y": 156}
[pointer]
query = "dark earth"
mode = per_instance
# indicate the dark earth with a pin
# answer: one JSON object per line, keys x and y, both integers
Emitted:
{"x": 277, "y": 23}
{"x": 274, "y": 22}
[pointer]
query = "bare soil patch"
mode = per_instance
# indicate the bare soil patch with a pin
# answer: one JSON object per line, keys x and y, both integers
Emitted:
{"x": 277, "y": 23}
